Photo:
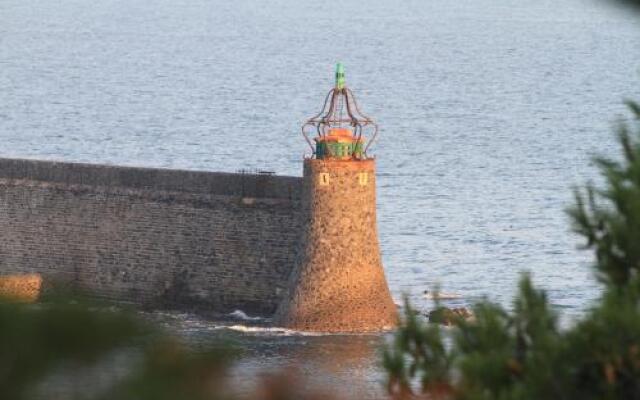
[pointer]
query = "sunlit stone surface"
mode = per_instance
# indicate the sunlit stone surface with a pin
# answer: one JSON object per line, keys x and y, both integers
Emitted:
{"x": 24, "y": 288}
{"x": 338, "y": 284}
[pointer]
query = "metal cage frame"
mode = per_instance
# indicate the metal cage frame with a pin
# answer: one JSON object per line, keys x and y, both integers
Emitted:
{"x": 332, "y": 115}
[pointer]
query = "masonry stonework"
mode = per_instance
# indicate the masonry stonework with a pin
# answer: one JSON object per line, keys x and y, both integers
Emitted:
{"x": 155, "y": 238}
{"x": 22, "y": 288}
{"x": 338, "y": 283}
{"x": 190, "y": 240}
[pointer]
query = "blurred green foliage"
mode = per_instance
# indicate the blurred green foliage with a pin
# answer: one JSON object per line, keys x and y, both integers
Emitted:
{"x": 634, "y": 3}
{"x": 36, "y": 339}
{"x": 45, "y": 347}
{"x": 171, "y": 372}
{"x": 522, "y": 354}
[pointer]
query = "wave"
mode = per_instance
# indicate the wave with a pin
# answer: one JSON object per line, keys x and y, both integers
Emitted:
{"x": 270, "y": 330}
{"x": 239, "y": 314}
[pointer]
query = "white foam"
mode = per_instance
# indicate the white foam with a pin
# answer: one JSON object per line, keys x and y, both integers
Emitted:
{"x": 441, "y": 296}
{"x": 271, "y": 330}
{"x": 239, "y": 314}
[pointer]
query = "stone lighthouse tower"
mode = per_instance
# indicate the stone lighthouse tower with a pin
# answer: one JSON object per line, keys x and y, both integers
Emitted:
{"x": 338, "y": 283}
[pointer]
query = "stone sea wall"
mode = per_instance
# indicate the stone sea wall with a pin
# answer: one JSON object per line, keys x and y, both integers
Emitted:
{"x": 151, "y": 237}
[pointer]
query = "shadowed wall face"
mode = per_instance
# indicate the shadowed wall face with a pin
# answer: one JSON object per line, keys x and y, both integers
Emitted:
{"x": 155, "y": 238}
{"x": 338, "y": 284}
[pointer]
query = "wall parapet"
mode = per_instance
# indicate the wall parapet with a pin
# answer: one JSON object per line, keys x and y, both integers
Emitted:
{"x": 157, "y": 179}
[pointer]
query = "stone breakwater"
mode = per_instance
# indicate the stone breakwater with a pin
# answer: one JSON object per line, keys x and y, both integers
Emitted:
{"x": 203, "y": 240}
{"x": 154, "y": 238}
{"x": 24, "y": 288}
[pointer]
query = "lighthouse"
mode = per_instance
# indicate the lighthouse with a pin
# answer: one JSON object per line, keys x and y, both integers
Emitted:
{"x": 338, "y": 282}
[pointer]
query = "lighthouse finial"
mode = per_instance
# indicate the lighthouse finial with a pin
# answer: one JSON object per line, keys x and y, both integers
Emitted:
{"x": 340, "y": 78}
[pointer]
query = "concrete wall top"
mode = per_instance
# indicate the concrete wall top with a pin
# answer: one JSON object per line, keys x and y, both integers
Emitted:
{"x": 214, "y": 183}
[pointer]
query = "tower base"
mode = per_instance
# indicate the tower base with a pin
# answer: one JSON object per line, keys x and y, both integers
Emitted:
{"x": 338, "y": 283}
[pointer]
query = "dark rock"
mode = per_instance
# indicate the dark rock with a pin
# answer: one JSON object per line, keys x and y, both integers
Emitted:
{"x": 447, "y": 316}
